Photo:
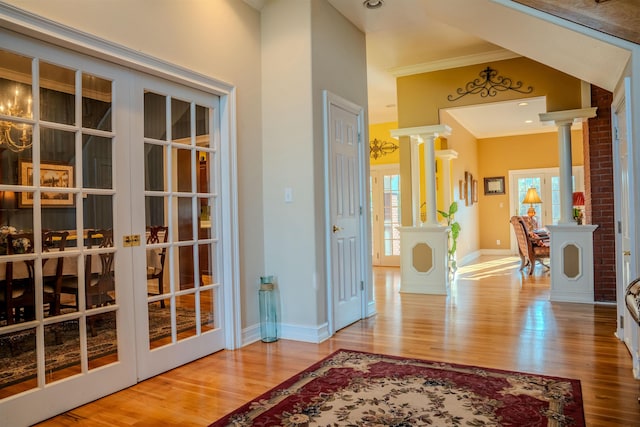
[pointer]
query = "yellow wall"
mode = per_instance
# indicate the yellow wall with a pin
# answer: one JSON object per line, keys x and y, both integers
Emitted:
{"x": 422, "y": 101}
{"x": 422, "y": 96}
{"x": 466, "y": 145}
{"x": 496, "y": 156}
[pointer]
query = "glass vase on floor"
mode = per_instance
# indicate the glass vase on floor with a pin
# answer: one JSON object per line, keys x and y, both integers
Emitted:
{"x": 268, "y": 310}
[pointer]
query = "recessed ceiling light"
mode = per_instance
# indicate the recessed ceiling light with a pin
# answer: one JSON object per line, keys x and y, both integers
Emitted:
{"x": 523, "y": 104}
{"x": 528, "y": 121}
{"x": 372, "y": 4}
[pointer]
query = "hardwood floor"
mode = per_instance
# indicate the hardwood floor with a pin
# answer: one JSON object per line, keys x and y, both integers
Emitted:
{"x": 495, "y": 317}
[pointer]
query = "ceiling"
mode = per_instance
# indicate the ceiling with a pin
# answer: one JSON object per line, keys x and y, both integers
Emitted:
{"x": 406, "y": 37}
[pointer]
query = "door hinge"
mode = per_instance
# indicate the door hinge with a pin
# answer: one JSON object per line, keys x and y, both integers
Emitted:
{"x": 619, "y": 227}
{"x": 361, "y": 285}
{"x": 622, "y": 322}
{"x": 360, "y": 210}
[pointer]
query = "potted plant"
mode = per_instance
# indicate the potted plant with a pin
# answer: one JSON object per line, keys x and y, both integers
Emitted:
{"x": 453, "y": 235}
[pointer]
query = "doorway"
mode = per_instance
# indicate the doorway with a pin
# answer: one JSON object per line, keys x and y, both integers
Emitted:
{"x": 385, "y": 214}
{"x": 345, "y": 190}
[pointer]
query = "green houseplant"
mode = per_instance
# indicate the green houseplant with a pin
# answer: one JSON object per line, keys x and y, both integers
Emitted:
{"x": 453, "y": 235}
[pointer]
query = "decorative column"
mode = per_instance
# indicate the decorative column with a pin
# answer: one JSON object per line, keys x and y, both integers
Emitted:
{"x": 446, "y": 156}
{"x": 571, "y": 244}
{"x": 423, "y": 249}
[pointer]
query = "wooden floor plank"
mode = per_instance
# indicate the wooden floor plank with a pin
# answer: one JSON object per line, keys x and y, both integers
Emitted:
{"x": 495, "y": 317}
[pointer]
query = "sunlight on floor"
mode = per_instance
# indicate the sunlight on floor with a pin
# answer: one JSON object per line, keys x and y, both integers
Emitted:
{"x": 482, "y": 270}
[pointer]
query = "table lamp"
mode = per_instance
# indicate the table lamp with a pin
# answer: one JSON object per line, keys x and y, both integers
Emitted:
{"x": 531, "y": 198}
{"x": 578, "y": 205}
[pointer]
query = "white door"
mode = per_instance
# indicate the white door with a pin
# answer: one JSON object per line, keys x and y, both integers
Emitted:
{"x": 624, "y": 231}
{"x": 345, "y": 211}
{"x": 385, "y": 215}
{"x": 63, "y": 167}
{"x": 176, "y": 153}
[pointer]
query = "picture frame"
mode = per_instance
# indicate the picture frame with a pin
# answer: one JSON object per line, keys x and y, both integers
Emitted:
{"x": 474, "y": 191}
{"x": 51, "y": 175}
{"x": 494, "y": 185}
{"x": 468, "y": 188}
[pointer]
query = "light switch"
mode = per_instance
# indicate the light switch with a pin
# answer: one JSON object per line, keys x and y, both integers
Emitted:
{"x": 288, "y": 195}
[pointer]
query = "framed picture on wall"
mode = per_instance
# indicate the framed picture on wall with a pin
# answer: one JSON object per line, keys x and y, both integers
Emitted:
{"x": 494, "y": 185}
{"x": 468, "y": 189}
{"x": 474, "y": 191}
{"x": 51, "y": 175}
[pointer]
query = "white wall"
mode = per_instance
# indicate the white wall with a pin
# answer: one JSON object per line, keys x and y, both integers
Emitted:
{"x": 307, "y": 47}
{"x": 290, "y": 247}
{"x": 339, "y": 66}
{"x": 220, "y": 39}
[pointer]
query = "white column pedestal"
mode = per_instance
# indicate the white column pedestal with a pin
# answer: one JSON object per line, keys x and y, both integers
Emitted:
{"x": 572, "y": 262}
{"x": 423, "y": 259}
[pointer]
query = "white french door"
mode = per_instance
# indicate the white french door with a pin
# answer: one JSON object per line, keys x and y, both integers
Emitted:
{"x": 385, "y": 214}
{"x": 179, "y": 301}
{"x": 67, "y": 300}
{"x": 96, "y": 159}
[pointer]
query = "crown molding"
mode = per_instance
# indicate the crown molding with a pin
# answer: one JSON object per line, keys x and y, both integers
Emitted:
{"x": 458, "y": 61}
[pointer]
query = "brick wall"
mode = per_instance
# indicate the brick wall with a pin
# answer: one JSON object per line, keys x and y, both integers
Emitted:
{"x": 599, "y": 207}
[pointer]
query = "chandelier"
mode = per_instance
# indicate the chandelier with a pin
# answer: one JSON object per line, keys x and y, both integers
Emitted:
{"x": 15, "y": 136}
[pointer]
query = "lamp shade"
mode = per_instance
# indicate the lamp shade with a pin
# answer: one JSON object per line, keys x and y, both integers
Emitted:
{"x": 578, "y": 198}
{"x": 532, "y": 196}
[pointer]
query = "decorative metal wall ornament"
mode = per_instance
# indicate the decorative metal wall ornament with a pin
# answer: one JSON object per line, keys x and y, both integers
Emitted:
{"x": 379, "y": 148}
{"x": 489, "y": 85}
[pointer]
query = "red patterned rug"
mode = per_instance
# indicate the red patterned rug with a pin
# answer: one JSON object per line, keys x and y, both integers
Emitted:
{"x": 351, "y": 388}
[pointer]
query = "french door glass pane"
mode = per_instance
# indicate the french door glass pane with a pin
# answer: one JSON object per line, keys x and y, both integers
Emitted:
{"x": 57, "y": 94}
{"x": 155, "y": 116}
{"x": 98, "y": 212}
{"x": 182, "y": 182}
{"x": 102, "y": 339}
{"x": 97, "y": 161}
{"x": 96, "y": 103}
{"x": 186, "y": 314}
{"x": 154, "y": 172}
{"x": 180, "y": 121}
{"x": 155, "y": 208}
{"x": 59, "y": 363}
{"x": 185, "y": 218}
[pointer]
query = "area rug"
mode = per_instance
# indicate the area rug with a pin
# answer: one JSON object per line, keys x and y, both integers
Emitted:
{"x": 351, "y": 388}
{"x": 17, "y": 351}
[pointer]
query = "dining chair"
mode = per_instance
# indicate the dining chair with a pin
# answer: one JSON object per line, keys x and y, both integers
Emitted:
{"x": 52, "y": 284}
{"x": 19, "y": 294}
{"x": 98, "y": 284}
{"x": 156, "y": 259}
{"x": 98, "y": 278}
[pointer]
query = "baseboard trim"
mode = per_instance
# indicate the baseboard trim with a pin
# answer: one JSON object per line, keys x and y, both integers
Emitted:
{"x": 314, "y": 335}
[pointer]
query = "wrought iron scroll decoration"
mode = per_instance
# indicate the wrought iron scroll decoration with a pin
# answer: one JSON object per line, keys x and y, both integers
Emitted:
{"x": 489, "y": 85}
{"x": 379, "y": 148}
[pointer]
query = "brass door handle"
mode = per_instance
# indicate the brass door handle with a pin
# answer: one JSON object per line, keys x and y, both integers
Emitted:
{"x": 626, "y": 253}
{"x": 336, "y": 229}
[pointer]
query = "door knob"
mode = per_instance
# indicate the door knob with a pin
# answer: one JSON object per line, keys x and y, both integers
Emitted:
{"x": 336, "y": 229}
{"x": 626, "y": 253}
